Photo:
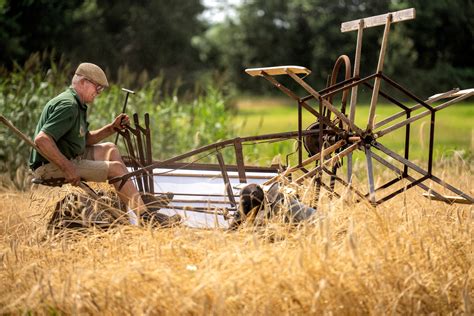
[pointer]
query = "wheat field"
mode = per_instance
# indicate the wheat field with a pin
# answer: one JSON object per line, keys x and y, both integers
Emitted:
{"x": 408, "y": 256}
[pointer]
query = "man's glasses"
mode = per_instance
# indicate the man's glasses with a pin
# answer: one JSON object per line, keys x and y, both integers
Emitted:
{"x": 98, "y": 87}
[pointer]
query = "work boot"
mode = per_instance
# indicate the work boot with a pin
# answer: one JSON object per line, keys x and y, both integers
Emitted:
{"x": 161, "y": 220}
{"x": 156, "y": 202}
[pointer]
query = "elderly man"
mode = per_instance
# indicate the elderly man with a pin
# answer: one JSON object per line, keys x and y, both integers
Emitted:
{"x": 69, "y": 150}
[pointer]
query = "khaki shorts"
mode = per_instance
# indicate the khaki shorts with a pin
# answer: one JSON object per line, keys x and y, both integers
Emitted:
{"x": 88, "y": 168}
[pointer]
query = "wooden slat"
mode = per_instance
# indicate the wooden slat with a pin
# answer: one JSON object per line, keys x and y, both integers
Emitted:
{"x": 278, "y": 70}
{"x": 378, "y": 80}
{"x": 398, "y": 16}
{"x": 450, "y": 198}
{"x": 455, "y": 94}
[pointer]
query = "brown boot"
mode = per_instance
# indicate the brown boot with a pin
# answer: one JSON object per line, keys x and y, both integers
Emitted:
{"x": 157, "y": 219}
{"x": 156, "y": 202}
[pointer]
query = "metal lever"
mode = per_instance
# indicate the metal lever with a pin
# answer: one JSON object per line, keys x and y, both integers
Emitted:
{"x": 124, "y": 107}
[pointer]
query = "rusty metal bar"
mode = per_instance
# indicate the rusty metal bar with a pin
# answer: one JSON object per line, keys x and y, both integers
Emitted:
{"x": 388, "y": 183}
{"x": 138, "y": 136}
{"x": 421, "y": 171}
{"x": 195, "y": 175}
{"x": 451, "y": 188}
{"x": 332, "y": 180}
{"x": 408, "y": 177}
{"x": 421, "y": 115}
{"x": 287, "y": 91}
{"x": 325, "y": 186}
{"x": 197, "y": 194}
{"x": 300, "y": 135}
{"x": 216, "y": 146}
{"x": 413, "y": 108}
{"x": 311, "y": 159}
{"x": 370, "y": 174}
{"x": 149, "y": 155}
{"x": 228, "y": 186}
{"x": 431, "y": 145}
{"x": 320, "y": 136}
{"x": 406, "y": 188}
{"x": 319, "y": 179}
{"x": 347, "y": 76}
{"x": 406, "y": 91}
{"x": 348, "y": 83}
{"x": 214, "y": 167}
{"x": 277, "y": 84}
{"x": 346, "y": 184}
{"x": 407, "y": 144}
{"x": 204, "y": 210}
{"x": 338, "y": 156}
{"x": 200, "y": 201}
{"x": 239, "y": 157}
{"x": 326, "y": 104}
{"x": 131, "y": 151}
{"x": 389, "y": 98}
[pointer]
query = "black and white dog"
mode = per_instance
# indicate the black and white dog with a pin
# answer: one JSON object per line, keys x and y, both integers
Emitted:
{"x": 256, "y": 206}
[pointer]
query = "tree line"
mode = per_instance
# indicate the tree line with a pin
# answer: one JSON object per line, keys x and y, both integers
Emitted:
{"x": 171, "y": 38}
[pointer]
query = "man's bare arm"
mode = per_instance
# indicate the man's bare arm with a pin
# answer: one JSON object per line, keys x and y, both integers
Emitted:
{"x": 93, "y": 137}
{"x": 50, "y": 151}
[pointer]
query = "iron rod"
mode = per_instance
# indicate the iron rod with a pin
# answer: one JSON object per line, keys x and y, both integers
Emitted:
{"x": 413, "y": 108}
{"x": 421, "y": 115}
{"x": 311, "y": 159}
{"x": 346, "y": 184}
{"x": 329, "y": 161}
{"x": 422, "y": 171}
{"x": 326, "y": 104}
{"x": 239, "y": 157}
{"x": 408, "y": 177}
{"x": 228, "y": 186}
{"x": 406, "y": 92}
{"x": 370, "y": 174}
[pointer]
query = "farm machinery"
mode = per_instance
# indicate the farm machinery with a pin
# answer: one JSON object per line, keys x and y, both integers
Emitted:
{"x": 210, "y": 194}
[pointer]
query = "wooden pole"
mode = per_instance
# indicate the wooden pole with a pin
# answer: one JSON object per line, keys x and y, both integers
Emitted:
{"x": 354, "y": 91}
{"x": 378, "y": 80}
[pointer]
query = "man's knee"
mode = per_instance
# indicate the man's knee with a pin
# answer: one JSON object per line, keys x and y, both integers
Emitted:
{"x": 110, "y": 151}
{"x": 117, "y": 169}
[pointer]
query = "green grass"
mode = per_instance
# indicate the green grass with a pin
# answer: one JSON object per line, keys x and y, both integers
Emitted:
{"x": 454, "y": 126}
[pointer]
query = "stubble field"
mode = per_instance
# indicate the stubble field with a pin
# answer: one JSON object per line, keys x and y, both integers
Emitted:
{"x": 408, "y": 256}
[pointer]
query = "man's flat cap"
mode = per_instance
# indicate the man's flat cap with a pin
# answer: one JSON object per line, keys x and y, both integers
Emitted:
{"x": 92, "y": 72}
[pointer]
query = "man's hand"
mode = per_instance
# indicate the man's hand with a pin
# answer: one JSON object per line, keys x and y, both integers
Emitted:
{"x": 121, "y": 121}
{"x": 48, "y": 149}
{"x": 72, "y": 176}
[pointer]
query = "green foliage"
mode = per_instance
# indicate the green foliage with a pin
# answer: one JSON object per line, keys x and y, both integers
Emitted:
{"x": 178, "y": 123}
{"x": 23, "y": 93}
{"x": 146, "y": 39}
{"x": 429, "y": 54}
{"x": 151, "y": 36}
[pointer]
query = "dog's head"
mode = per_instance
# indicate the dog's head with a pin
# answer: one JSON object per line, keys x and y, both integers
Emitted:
{"x": 251, "y": 197}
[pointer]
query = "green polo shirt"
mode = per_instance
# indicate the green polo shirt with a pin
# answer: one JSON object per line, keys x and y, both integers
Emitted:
{"x": 64, "y": 119}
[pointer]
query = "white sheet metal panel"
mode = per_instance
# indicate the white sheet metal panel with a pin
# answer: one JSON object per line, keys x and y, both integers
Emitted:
{"x": 203, "y": 189}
